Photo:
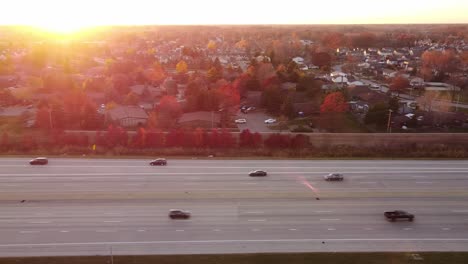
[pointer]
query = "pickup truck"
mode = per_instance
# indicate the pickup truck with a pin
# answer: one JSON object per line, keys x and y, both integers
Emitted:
{"x": 395, "y": 215}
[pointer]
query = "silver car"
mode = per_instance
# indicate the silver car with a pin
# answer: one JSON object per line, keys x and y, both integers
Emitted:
{"x": 334, "y": 177}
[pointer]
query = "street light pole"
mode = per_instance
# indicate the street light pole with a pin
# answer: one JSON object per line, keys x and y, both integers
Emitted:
{"x": 389, "y": 128}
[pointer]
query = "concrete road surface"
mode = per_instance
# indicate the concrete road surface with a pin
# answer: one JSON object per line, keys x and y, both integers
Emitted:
{"x": 99, "y": 207}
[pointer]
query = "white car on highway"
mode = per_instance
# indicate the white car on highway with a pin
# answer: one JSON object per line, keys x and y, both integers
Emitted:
{"x": 241, "y": 121}
{"x": 270, "y": 121}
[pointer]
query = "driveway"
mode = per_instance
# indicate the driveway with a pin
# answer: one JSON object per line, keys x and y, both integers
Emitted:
{"x": 255, "y": 121}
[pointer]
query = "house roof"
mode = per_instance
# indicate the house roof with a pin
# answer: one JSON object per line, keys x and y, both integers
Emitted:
{"x": 200, "y": 116}
{"x": 126, "y": 111}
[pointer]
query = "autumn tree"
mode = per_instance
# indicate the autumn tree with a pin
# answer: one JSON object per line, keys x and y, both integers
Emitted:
{"x": 131, "y": 99}
{"x": 43, "y": 120}
{"x": 331, "y": 111}
{"x": 437, "y": 63}
{"x": 181, "y": 67}
{"x": 5, "y": 142}
{"x": 299, "y": 141}
{"x": 321, "y": 59}
{"x": 378, "y": 115}
{"x": 399, "y": 84}
{"x": 169, "y": 111}
{"x": 277, "y": 140}
{"x": 334, "y": 103}
{"x": 211, "y": 45}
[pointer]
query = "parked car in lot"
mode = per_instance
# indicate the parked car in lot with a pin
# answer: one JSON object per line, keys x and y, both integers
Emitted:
{"x": 158, "y": 162}
{"x": 334, "y": 177}
{"x": 179, "y": 214}
{"x": 241, "y": 121}
{"x": 39, "y": 161}
{"x": 398, "y": 214}
{"x": 257, "y": 173}
{"x": 270, "y": 121}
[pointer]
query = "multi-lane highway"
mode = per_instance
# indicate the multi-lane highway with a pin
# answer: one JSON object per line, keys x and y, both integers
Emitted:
{"x": 84, "y": 206}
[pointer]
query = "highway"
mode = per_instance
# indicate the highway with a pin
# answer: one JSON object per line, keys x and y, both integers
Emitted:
{"x": 110, "y": 206}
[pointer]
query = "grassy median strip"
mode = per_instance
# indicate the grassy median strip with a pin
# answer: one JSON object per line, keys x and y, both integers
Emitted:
{"x": 290, "y": 258}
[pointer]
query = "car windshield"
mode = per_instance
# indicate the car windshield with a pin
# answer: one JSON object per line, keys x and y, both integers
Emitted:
{"x": 284, "y": 131}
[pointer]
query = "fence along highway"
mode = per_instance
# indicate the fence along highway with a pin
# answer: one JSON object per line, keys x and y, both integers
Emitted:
{"x": 89, "y": 207}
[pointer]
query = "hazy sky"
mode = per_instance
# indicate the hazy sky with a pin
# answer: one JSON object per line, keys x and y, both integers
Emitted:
{"x": 77, "y": 13}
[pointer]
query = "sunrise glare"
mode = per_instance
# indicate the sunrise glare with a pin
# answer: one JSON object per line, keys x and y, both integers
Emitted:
{"x": 68, "y": 16}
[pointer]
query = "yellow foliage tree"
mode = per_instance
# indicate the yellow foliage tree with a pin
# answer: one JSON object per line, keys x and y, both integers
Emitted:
{"x": 181, "y": 67}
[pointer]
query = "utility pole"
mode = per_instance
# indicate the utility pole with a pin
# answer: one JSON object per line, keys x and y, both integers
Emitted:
{"x": 389, "y": 128}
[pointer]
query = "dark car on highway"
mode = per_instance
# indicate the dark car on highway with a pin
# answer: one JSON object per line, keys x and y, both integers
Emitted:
{"x": 257, "y": 173}
{"x": 398, "y": 214}
{"x": 179, "y": 214}
{"x": 39, "y": 161}
{"x": 158, "y": 162}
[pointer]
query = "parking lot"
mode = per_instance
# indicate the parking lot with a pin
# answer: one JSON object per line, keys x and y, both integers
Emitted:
{"x": 255, "y": 121}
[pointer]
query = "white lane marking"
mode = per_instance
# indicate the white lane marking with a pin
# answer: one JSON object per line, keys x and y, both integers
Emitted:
{"x": 292, "y": 229}
{"x": 216, "y": 230}
{"x": 249, "y": 183}
{"x": 368, "y": 229}
{"x": 323, "y": 211}
{"x": 113, "y": 214}
{"x": 255, "y": 212}
{"x": 255, "y": 229}
{"x": 105, "y": 231}
{"x": 445, "y": 228}
{"x": 418, "y": 176}
{"x": 459, "y": 211}
{"x": 191, "y": 183}
{"x": 234, "y": 241}
{"x": 28, "y": 232}
{"x": 43, "y": 214}
{"x": 112, "y": 221}
{"x": 367, "y": 182}
{"x": 141, "y": 230}
{"x": 425, "y": 182}
{"x": 330, "y": 219}
{"x": 331, "y": 229}
{"x": 256, "y": 220}
{"x": 40, "y": 222}
{"x": 133, "y": 184}
{"x": 179, "y": 230}
{"x": 408, "y": 228}
{"x": 64, "y": 231}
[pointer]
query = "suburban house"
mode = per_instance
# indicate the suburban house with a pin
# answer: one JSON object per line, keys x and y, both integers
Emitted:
{"x": 389, "y": 73}
{"x": 127, "y": 116}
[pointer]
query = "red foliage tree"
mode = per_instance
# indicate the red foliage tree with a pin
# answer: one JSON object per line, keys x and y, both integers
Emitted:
{"x": 245, "y": 138}
{"x": 399, "y": 84}
{"x": 5, "y": 143}
{"x": 175, "y": 138}
{"x": 226, "y": 139}
{"x": 278, "y": 141}
{"x": 299, "y": 141}
{"x": 139, "y": 139}
{"x": 155, "y": 138}
{"x": 321, "y": 59}
{"x": 334, "y": 103}
{"x": 43, "y": 118}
